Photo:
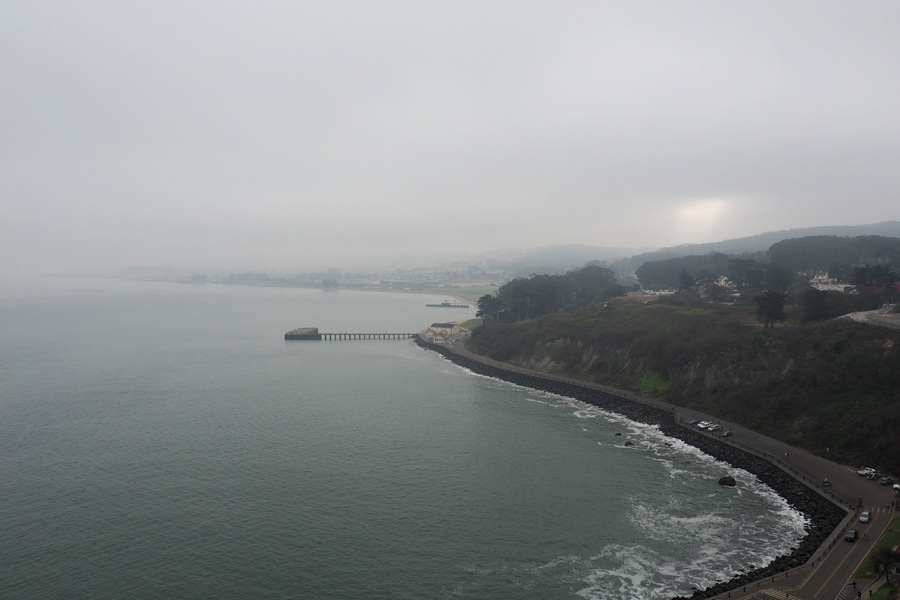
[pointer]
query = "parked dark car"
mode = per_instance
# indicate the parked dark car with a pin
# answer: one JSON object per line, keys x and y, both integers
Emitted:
{"x": 851, "y": 535}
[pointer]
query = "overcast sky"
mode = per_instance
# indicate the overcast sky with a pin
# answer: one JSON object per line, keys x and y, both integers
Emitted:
{"x": 303, "y": 135}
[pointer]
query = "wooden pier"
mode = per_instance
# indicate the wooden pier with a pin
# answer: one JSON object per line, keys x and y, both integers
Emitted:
{"x": 367, "y": 336}
{"x": 312, "y": 333}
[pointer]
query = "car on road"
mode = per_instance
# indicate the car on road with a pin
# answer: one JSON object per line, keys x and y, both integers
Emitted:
{"x": 865, "y": 516}
{"x": 869, "y": 473}
{"x": 850, "y": 535}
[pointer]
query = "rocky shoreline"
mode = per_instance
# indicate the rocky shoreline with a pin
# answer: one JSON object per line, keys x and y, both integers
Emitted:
{"x": 824, "y": 516}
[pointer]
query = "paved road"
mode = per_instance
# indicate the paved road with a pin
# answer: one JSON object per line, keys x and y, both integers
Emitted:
{"x": 882, "y": 316}
{"x": 830, "y": 572}
{"x": 828, "y": 575}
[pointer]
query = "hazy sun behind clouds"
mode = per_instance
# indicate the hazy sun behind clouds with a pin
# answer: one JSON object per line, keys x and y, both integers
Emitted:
{"x": 702, "y": 219}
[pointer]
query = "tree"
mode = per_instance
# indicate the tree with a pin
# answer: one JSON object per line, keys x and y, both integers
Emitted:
{"x": 878, "y": 280}
{"x": 814, "y": 305}
{"x": 664, "y": 273}
{"x": 686, "y": 283}
{"x": 746, "y": 273}
{"x": 538, "y": 295}
{"x": 705, "y": 277}
{"x": 717, "y": 293}
{"x": 514, "y": 295}
{"x": 770, "y": 307}
{"x": 490, "y": 307}
{"x": 778, "y": 278}
{"x": 586, "y": 286}
{"x": 841, "y": 273}
{"x": 879, "y": 276}
{"x": 885, "y": 560}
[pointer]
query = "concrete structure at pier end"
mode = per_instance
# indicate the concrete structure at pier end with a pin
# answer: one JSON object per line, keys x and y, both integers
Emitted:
{"x": 303, "y": 333}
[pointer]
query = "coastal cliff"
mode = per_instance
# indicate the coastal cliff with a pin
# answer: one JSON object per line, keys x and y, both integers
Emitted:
{"x": 831, "y": 387}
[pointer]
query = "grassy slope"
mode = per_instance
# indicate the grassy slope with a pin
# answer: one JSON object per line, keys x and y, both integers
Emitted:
{"x": 830, "y": 387}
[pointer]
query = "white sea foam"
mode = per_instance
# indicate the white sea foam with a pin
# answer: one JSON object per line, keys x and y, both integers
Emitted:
{"x": 719, "y": 546}
{"x": 542, "y": 401}
{"x": 636, "y": 572}
{"x": 692, "y": 516}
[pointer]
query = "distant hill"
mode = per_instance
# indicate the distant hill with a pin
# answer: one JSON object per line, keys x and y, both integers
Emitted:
{"x": 759, "y": 243}
{"x": 836, "y": 255}
{"x": 559, "y": 259}
{"x": 562, "y": 258}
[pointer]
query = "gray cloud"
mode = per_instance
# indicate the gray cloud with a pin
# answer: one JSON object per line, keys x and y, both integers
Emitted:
{"x": 308, "y": 134}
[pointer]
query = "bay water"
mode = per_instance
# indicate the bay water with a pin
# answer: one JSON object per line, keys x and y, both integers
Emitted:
{"x": 160, "y": 440}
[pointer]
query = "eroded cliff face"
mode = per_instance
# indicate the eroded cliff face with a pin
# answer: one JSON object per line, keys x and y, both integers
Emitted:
{"x": 832, "y": 385}
{"x": 626, "y": 366}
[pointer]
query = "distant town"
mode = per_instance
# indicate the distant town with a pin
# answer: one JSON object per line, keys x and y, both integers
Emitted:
{"x": 714, "y": 266}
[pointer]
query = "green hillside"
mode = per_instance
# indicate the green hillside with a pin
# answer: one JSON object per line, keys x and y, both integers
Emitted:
{"x": 832, "y": 387}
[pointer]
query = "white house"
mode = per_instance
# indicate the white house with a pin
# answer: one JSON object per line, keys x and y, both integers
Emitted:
{"x": 440, "y": 333}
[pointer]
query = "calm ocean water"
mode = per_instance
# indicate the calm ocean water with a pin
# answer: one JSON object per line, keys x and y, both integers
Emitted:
{"x": 164, "y": 441}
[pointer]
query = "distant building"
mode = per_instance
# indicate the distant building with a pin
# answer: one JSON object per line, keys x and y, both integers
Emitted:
{"x": 825, "y": 283}
{"x": 821, "y": 278}
{"x": 725, "y": 283}
{"x": 835, "y": 287}
{"x": 440, "y": 333}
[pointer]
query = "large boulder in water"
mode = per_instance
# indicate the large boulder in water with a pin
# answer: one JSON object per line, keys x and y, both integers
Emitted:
{"x": 727, "y": 480}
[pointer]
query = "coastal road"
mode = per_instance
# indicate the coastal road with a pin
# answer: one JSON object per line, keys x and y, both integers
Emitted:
{"x": 882, "y": 316}
{"x": 829, "y": 573}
